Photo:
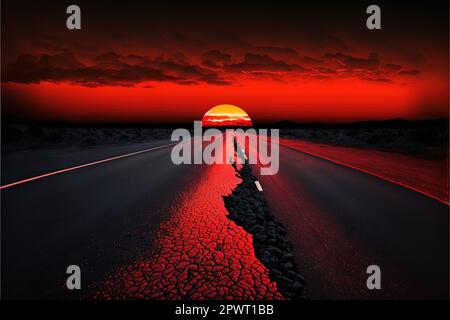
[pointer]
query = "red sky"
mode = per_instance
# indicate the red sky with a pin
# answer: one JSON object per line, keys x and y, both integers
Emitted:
{"x": 174, "y": 63}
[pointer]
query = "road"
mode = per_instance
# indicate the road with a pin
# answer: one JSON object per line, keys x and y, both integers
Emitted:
{"x": 339, "y": 221}
{"x": 95, "y": 216}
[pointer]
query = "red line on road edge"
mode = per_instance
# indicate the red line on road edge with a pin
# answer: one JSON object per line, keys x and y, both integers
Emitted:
{"x": 368, "y": 172}
{"x": 83, "y": 165}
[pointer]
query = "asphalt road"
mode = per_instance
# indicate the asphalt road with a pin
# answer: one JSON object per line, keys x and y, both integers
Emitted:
{"x": 339, "y": 221}
{"x": 94, "y": 217}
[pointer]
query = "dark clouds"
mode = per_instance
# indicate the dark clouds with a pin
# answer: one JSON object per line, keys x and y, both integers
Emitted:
{"x": 219, "y": 43}
{"x": 215, "y": 58}
{"x": 256, "y": 63}
{"x": 393, "y": 67}
{"x": 279, "y": 53}
{"x": 351, "y": 62}
{"x": 214, "y": 67}
{"x": 409, "y": 73}
{"x": 107, "y": 69}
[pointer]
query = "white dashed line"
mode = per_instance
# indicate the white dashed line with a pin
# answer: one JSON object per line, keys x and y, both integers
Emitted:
{"x": 258, "y": 186}
{"x": 243, "y": 152}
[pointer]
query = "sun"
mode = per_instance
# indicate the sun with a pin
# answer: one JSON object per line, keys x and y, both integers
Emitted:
{"x": 226, "y": 115}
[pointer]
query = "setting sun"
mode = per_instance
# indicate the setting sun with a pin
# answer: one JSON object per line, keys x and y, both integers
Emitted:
{"x": 226, "y": 115}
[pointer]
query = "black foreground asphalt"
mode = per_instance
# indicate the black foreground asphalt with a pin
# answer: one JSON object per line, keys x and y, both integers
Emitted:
{"x": 339, "y": 221}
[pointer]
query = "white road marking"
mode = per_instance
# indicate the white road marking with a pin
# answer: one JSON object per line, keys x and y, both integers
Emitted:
{"x": 366, "y": 172}
{"x": 258, "y": 186}
{"x": 243, "y": 153}
{"x": 84, "y": 165}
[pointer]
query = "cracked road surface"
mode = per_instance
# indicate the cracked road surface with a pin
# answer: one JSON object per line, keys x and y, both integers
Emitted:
{"x": 142, "y": 227}
{"x": 198, "y": 252}
{"x": 139, "y": 227}
{"x": 340, "y": 221}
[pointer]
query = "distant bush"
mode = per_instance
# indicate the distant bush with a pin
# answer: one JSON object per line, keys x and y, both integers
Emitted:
{"x": 19, "y": 136}
{"x": 428, "y": 141}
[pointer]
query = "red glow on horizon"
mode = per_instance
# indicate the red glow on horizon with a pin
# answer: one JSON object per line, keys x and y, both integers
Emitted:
{"x": 265, "y": 101}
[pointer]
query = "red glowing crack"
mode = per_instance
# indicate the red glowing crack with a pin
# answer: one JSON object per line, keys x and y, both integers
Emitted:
{"x": 199, "y": 253}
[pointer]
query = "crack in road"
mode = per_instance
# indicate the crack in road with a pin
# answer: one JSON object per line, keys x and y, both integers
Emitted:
{"x": 198, "y": 254}
{"x": 247, "y": 207}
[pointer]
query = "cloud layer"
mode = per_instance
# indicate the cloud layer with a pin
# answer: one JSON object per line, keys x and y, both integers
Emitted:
{"x": 214, "y": 67}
